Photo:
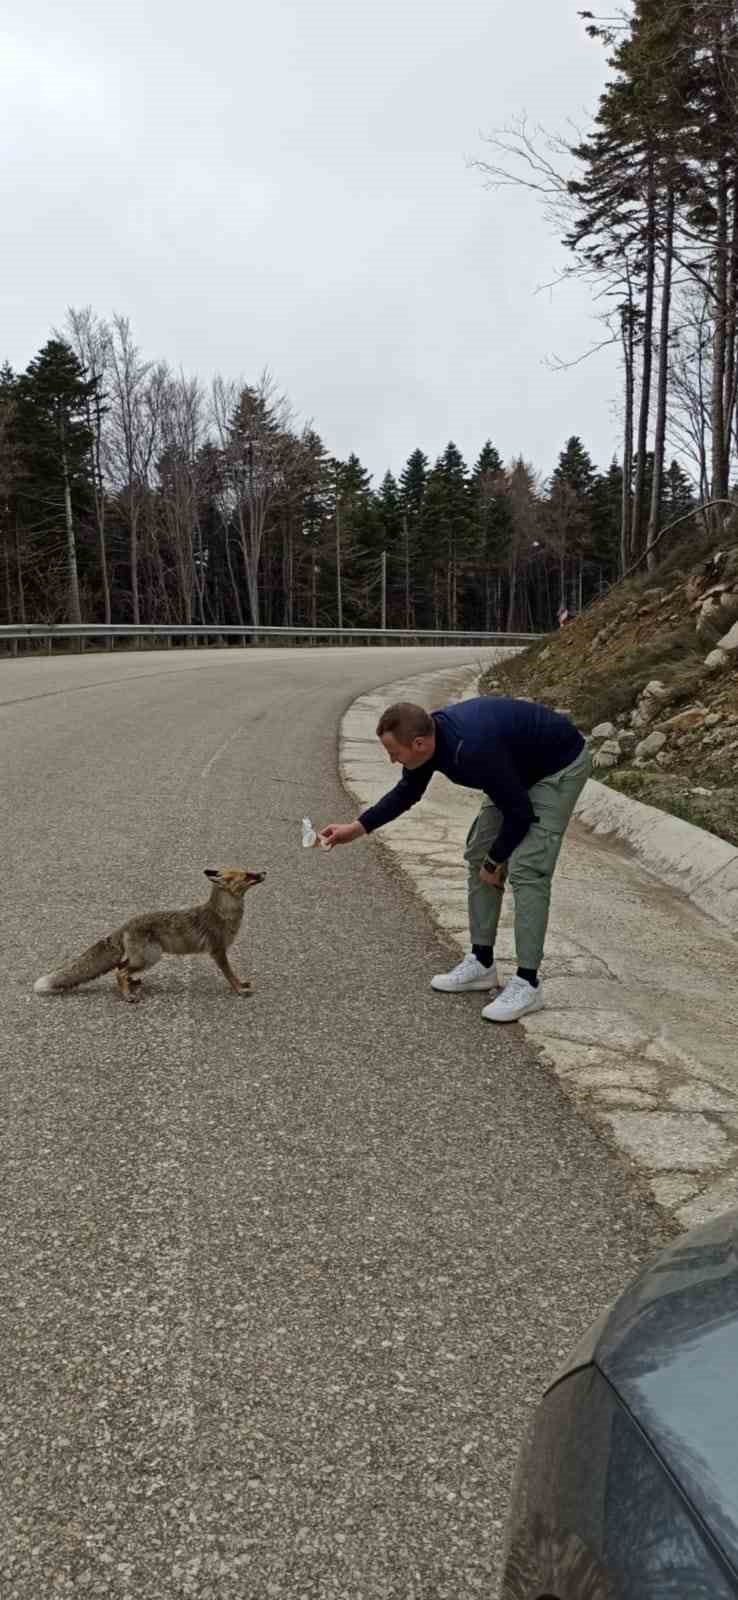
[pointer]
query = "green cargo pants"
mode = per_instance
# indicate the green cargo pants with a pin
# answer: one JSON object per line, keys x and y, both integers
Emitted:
{"x": 531, "y": 866}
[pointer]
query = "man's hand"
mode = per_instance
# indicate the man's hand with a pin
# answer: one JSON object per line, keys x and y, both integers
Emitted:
{"x": 340, "y": 833}
{"x": 496, "y": 878}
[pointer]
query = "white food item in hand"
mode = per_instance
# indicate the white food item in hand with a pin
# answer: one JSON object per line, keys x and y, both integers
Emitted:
{"x": 310, "y": 838}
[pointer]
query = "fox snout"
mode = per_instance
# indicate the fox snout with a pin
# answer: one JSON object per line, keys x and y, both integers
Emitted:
{"x": 235, "y": 879}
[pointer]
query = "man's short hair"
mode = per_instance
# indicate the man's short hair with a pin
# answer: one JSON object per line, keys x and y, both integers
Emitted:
{"x": 406, "y": 722}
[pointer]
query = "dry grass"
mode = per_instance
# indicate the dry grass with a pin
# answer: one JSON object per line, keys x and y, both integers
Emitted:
{"x": 597, "y": 667}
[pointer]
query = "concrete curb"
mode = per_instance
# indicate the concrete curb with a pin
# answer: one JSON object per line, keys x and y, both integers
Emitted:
{"x": 680, "y": 854}
{"x": 644, "y": 1048}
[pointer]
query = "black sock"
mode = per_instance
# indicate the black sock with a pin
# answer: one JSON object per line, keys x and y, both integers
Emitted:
{"x": 484, "y": 953}
{"x": 530, "y": 974}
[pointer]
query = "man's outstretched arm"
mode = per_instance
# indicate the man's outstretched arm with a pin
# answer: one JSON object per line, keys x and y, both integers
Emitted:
{"x": 406, "y": 793}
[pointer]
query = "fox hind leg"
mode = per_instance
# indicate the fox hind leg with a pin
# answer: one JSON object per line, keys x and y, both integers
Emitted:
{"x": 129, "y": 988}
{"x": 137, "y": 956}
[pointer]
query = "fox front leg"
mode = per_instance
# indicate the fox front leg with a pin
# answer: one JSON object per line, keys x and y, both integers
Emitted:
{"x": 238, "y": 985}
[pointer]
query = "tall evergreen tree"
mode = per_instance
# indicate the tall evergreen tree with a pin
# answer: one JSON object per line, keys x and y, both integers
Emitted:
{"x": 446, "y": 532}
{"x": 525, "y": 528}
{"x": 574, "y": 468}
{"x": 490, "y": 502}
{"x": 633, "y": 169}
{"x": 12, "y": 576}
{"x": 678, "y": 495}
{"x": 360, "y": 535}
{"x": 712, "y": 143}
{"x": 54, "y": 442}
{"x": 567, "y": 522}
{"x": 413, "y": 483}
{"x": 606, "y": 500}
{"x": 389, "y": 510}
{"x": 259, "y": 445}
{"x": 390, "y": 529}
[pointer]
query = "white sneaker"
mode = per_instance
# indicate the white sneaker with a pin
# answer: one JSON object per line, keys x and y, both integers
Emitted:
{"x": 517, "y": 999}
{"x": 469, "y": 974}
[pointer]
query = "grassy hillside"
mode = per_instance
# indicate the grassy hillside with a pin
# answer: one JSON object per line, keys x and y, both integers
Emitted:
{"x": 643, "y": 660}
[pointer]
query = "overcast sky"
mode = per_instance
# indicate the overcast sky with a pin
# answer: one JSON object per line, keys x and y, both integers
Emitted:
{"x": 286, "y": 184}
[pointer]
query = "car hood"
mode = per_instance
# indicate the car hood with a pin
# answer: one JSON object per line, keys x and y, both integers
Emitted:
{"x": 669, "y": 1347}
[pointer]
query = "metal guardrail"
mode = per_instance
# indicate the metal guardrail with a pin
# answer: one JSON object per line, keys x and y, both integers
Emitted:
{"x": 132, "y": 630}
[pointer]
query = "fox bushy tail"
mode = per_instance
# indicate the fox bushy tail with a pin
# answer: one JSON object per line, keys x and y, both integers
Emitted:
{"x": 92, "y": 963}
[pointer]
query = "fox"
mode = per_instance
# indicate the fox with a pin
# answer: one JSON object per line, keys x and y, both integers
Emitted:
{"x": 208, "y": 929}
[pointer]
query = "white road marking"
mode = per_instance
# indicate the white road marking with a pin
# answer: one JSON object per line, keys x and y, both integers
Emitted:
{"x": 218, "y": 753}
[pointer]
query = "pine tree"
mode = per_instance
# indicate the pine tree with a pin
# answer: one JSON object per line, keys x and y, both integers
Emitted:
{"x": 606, "y": 508}
{"x": 316, "y": 519}
{"x": 390, "y": 527}
{"x": 712, "y": 144}
{"x": 575, "y": 468}
{"x": 54, "y": 443}
{"x": 634, "y": 169}
{"x": 491, "y": 520}
{"x": 525, "y": 528}
{"x": 678, "y": 495}
{"x": 446, "y": 532}
{"x": 223, "y": 589}
{"x": 413, "y": 483}
{"x": 259, "y": 445}
{"x": 488, "y": 463}
{"x": 360, "y": 537}
{"x": 12, "y": 574}
{"x": 567, "y": 521}
{"x": 389, "y": 509}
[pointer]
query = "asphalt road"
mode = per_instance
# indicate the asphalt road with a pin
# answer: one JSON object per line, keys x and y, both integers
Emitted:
{"x": 280, "y": 1278}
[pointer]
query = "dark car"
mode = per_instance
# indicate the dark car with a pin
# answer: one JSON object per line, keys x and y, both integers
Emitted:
{"x": 628, "y": 1487}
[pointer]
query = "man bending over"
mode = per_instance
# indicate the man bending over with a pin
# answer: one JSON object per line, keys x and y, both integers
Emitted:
{"x": 531, "y": 765}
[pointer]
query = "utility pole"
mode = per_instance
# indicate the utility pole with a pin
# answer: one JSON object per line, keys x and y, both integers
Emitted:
{"x": 406, "y": 537}
{"x": 339, "y": 588}
{"x": 384, "y": 589}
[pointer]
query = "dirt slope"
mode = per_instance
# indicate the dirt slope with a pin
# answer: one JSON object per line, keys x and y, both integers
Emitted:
{"x": 645, "y": 661}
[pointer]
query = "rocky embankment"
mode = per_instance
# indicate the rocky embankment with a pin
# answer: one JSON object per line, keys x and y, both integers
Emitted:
{"x": 650, "y": 673}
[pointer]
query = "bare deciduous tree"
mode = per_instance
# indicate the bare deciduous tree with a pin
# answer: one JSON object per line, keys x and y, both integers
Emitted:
{"x": 131, "y": 437}
{"x": 90, "y": 338}
{"x": 182, "y": 434}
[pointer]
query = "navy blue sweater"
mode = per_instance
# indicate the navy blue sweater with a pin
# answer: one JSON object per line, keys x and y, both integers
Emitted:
{"x": 500, "y": 746}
